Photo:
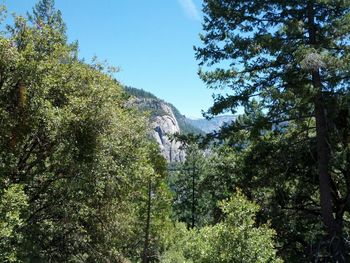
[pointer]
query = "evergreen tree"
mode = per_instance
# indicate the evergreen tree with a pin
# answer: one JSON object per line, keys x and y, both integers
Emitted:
{"x": 293, "y": 56}
{"x": 187, "y": 186}
{"x": 45, "y": 13}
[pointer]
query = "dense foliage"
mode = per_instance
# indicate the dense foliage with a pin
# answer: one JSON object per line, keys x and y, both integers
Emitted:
{"x": 80, "y": 180}
{"x": 287, "y": 64}
{"x": 76, "y": 166}
{"x": 235, "y": 239}
{"x": 186, "y": 180}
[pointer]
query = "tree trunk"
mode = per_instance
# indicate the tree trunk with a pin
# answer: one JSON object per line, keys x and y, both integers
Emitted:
{"x": 193, "y": 208}
{"x": 323, "y": 156}
{"x": 145, "y": 254}
{"x": 333, "y": 225}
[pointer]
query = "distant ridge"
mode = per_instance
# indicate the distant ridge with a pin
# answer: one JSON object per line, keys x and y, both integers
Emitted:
{"x": 213, "y": 124}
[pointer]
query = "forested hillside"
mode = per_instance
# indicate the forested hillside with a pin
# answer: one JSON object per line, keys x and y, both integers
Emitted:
{"x": 82, "y": 180}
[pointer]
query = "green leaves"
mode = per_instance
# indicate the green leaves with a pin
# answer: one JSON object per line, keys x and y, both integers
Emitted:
{"x": 13, "y": 205}
{"x": 249, "y": 47}
{"x": 236, "y": 239}
{"x": 83, "y": 158}
{"x": 286, "y": 63}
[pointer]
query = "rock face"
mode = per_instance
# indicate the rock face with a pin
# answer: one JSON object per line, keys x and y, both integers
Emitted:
{"x": 163, "y": 123}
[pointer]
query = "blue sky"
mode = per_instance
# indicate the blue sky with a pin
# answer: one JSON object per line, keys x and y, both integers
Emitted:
{"x": 151, "y": 41}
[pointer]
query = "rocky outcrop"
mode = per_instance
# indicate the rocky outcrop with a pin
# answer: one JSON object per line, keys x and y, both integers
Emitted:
{"x": 163, "y": 124}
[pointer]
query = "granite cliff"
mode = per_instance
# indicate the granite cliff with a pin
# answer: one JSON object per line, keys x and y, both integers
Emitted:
{"x": 166, "y": 120}
{"x": 163, "y": 124}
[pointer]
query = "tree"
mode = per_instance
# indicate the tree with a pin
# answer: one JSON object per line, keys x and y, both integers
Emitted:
{"x": 278, "y": 171}
{"x": 235, "y": 239}
{"x": 45, "y": 13}
{"x": 155, "y": 211}
{"x": 293, "y": 57}
{"x": 74, "y": 160}
{"x": 187, "y": 185}
{"x": 13, "y": 203}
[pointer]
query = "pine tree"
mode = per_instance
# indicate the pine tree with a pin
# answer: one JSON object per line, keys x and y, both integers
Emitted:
{"x": 293, "y": 56}
{"x": 187, "y": 184}
{"x": 45, "y": 13}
